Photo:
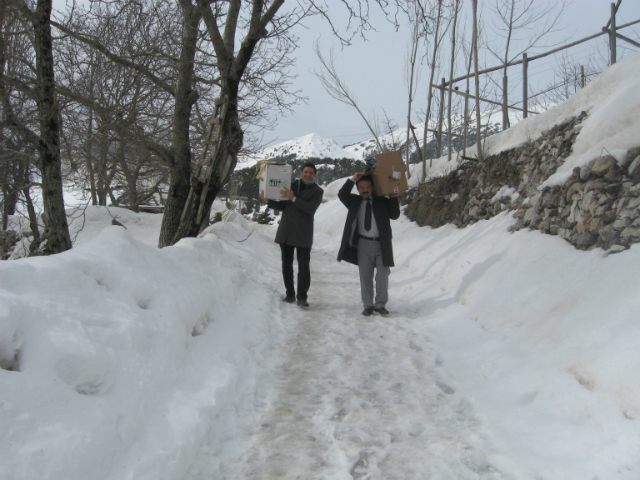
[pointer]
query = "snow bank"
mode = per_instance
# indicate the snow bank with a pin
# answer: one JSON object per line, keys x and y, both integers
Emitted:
{"x": 125, "y": 353}
{"x": 539, "y": 337}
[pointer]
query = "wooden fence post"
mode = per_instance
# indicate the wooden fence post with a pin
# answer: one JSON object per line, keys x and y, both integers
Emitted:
{"x": 525, "y": 86}
{"x": 581, "y": 76}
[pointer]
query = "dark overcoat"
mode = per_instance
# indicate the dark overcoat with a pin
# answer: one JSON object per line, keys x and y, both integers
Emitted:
{"x": 384, "y": 210}
{"x": 296, "y": 223}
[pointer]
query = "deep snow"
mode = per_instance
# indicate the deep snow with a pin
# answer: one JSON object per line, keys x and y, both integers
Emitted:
{"x": 506, "y": 356}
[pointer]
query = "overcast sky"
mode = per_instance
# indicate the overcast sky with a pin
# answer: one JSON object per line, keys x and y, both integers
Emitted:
{"x": 374, "y": 70}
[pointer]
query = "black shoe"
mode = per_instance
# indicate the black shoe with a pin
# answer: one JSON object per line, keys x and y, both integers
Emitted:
{"x": 367, "y": 311}
{"x": 302, "y": 303}
{"x": 382, "y": 311}
{"x": 289, "y": 299}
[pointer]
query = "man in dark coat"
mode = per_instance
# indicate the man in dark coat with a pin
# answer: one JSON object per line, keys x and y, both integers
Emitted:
{"x": 295, "y": 232}
{"x": 366, "y": 240}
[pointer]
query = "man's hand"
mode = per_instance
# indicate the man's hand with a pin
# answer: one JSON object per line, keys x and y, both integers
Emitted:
{"x": 262, "y": 197}
{"x": 287, "y": 193}
{"x": 394, "y": 195}
{"x": 357, "y": 176}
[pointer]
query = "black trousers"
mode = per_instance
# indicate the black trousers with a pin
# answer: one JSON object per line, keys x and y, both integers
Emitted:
{"x": 304, "y": 275}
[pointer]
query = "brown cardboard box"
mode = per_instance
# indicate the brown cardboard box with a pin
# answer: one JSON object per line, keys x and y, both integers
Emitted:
{"x": 389, "y": 176}
{"x": 274, "y": 178}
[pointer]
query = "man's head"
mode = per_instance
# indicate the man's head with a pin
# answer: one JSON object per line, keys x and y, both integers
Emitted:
{"x": 365, "y": 186}
{"x": 308, "y": 172}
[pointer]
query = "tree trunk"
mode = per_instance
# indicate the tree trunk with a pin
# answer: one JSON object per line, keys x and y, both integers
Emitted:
{"x": 89, "y": 157}
{"x": 505, "y": 86}
{"x": 221, "y": 168}
{"x": 181, "y": 146}
{"x": 33, "y": 222}
{"x": 9, "y": 194}
{"x": 452, "y": 66}
{"x": 57, "y": 229}
{"x": 231, "y": 71}
{"x": 430, "y": 95}
{"x": 480, "y": 155}
{"x": 413, "y": 54}
{"x": 102, "y": 184}
{"x": 6, "y": 202}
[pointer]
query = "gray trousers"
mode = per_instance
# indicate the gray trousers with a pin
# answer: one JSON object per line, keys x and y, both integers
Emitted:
{"x": 370, "y": 259}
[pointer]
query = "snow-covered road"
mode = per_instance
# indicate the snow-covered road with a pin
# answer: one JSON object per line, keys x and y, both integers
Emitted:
{"x": 507, "y": 356}
{"x": 357, "y": 397}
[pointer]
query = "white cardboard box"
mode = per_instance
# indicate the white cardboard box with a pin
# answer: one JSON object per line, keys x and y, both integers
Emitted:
{"x": 274, "y": 178}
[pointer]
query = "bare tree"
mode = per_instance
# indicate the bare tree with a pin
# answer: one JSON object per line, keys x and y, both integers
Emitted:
{"x": 169, "y": 66}
{"x": 17, "y": 153}
{"x": 569, "y": 77}
{"x": 241, "y": 68}
{"x": 475, "y": 49}
{"x": 469, "y": 60}
{"x": 416, "y": 22}
{"x": 521, "y": 24}
{"x": 189, "y": 65}
{"x": 9, "y": 183}
{"x": 335, "y": 86}
{"x": 437, "y": 39}
{"x": 111, "y": 113}
{"x": 391, "y": 137}
{"x": 263, "y": 22}
{"x": 456, "y": 10}
{"x": 223, "y": 23}
{"x": 42, "y": 91}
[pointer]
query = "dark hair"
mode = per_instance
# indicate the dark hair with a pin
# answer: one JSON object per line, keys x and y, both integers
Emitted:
{"x": 310, "y": 165}
{"x": 367, "y": 177}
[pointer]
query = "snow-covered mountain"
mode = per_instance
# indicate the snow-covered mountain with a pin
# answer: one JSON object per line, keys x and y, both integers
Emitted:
{"x": 307, "y": 146}
{"x": 316, "y": 146}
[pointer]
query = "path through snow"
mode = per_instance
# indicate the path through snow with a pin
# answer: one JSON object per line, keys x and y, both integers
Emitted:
{"x": 356, "y": 397}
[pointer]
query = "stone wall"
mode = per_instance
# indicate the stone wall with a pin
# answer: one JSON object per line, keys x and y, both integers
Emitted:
{"x": 598, "y": 207}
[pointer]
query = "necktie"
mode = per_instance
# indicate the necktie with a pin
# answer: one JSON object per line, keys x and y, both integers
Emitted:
{"x": 367, "y": 216}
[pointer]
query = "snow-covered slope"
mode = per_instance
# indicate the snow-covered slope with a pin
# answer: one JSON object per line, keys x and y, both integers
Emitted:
{"x": 315, "y": 146}
{"x": 312, "y": 145}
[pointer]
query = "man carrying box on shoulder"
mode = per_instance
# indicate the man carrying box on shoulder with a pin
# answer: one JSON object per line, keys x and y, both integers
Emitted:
{"x": 366, "y": 239}
{"x": 295, "y": 231}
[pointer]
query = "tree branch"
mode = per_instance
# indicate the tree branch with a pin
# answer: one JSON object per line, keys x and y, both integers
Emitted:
{"x": 224, "y": 56}
{"x": 92, "y": 42}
